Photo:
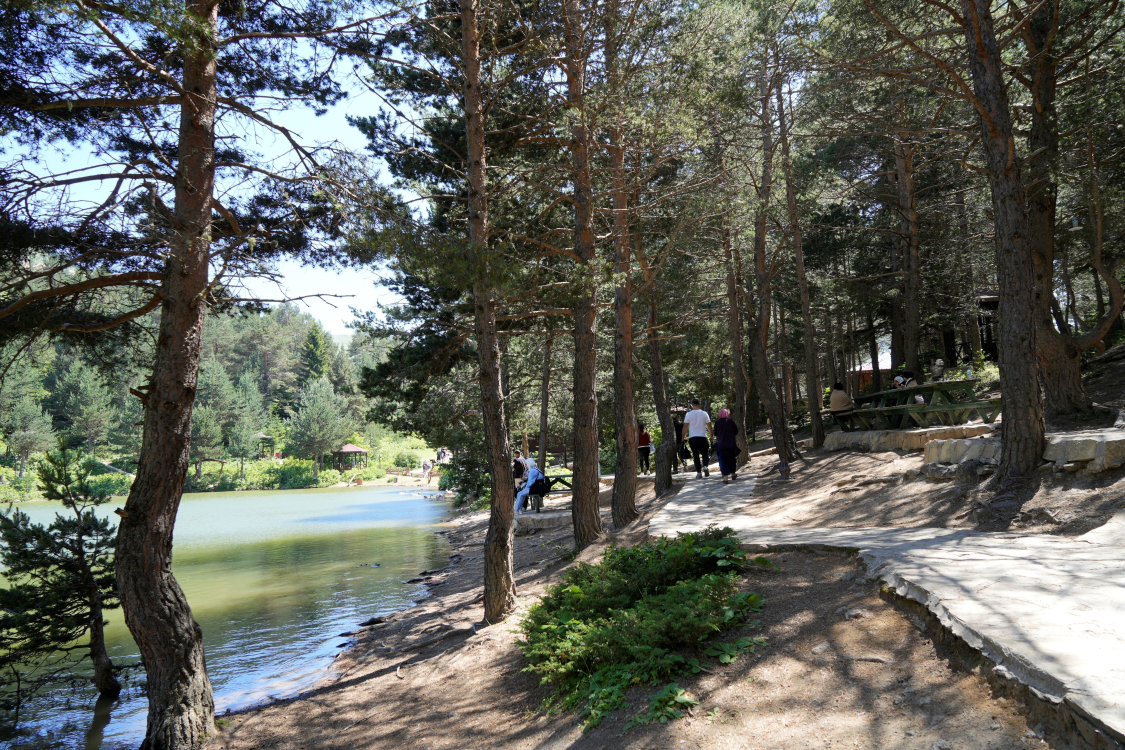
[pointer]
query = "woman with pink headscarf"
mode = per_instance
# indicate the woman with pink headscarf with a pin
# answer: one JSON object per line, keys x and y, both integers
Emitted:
{"x": 725, "y": 446}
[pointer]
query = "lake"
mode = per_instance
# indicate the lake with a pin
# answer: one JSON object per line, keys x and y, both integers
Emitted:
{"x": 273, "y": 578}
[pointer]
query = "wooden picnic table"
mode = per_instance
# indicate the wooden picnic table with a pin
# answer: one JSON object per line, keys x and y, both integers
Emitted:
{"x": 945, "y": 402}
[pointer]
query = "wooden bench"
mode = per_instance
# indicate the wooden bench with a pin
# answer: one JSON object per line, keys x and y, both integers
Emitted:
{"x": 563, "y": 482}
{"x": 920, "y": 415}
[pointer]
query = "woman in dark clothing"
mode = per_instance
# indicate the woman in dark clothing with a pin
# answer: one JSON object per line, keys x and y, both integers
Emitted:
{"x": 678, "y": 459}
{"x": 725, "y": 446}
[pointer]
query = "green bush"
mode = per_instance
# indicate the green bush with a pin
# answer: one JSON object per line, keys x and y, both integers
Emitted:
{"x": 328, "y": 477}
{"x": 619, "y": 623}
{"x": 407, "y": 460}
{"x": 17, "y": 489}
{"x": 110, "y": 484}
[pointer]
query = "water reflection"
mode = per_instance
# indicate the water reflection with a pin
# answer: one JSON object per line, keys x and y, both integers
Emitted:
{"x": 273, "y": 578}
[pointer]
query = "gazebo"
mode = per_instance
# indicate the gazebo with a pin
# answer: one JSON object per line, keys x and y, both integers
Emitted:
{"x": 263, "y": 441}
{"x": 351, "y": 450}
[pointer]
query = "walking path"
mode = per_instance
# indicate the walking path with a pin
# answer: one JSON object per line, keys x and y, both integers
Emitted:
{"x": 1048, "y": 610}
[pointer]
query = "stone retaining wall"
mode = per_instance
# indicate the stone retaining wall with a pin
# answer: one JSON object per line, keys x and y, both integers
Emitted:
{"x": 907, "y": 440}
{"x": 1090, "y": 452}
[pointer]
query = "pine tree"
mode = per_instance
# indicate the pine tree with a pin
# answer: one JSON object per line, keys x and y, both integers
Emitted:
{"x": 248, "y": 419}
{"x": 214, "y": 390}
{"x": 316, "y": 356}
{"x": 61, "y": 581}
{"x": 89, "y": 405}
{"x": 27, "y": 429}
{"x": 206, "y": 438}
{"x": 321, "y": 422}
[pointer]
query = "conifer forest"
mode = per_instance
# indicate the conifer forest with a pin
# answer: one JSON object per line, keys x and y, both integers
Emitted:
{"x": 585, "y": 213}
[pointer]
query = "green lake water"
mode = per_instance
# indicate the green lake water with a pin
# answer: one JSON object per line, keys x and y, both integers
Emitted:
{"x": 272, "y": 578}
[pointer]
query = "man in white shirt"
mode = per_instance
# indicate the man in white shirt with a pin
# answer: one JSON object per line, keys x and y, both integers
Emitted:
{"x": 698, "y": 433}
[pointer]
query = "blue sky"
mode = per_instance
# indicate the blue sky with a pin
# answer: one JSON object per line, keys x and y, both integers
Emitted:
{"x": 361, "y": 286}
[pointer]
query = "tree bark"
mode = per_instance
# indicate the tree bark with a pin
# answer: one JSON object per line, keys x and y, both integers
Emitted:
{"x": 812, "y": 370}
{"x": 181, "y": 709}
{"x": 104, "y": 679}
{"x": 737, "y": 353}
{"x": 584, "y": 503}
{"x": 666, "y": 452}
{"x": 912, "y": 278}
{"x": 760, "y": 317}
{"x": 544, "y": 406}
{"x": 624, "y": 502}
{"x": 873, "y": 343}
{"x": 1059, "y": 351}
{"x": 972, "y": 322}
{"x": 499, "y": 541}
{"x": 1022, "y": 429}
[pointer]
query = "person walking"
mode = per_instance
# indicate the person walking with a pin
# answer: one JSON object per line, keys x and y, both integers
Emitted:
{"x": 678, "y": 459}
{"x": 697, "y": 430}
{"x": 726, "y": 447}
{"x": 644, "y": 447}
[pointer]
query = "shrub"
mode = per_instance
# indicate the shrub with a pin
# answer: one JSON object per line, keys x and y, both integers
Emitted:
{"x": 17, "y": 489}
{"x": 328, "y": 477}
{"x": 407, "y": 460}
{"x": 110, "y": 484}
{"x": 619, "y": 623}
{"x": 292, "y": 473}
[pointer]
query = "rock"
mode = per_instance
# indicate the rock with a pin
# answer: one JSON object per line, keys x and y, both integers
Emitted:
{"x": 993, "y": 727}
{"x": 856, "y": 613}
{"x": 949, "y": 495}
{"x": 821, "y": 648}
{"x": 938, "y": 472}
{"x": 849, "y": 576}
{"x": 910, "y": 475}
{"x": 940, "y": 745}
{"x": 373, "y": 621}
{"x": 898, "y": 702}
{"x": 1073, "y": 466}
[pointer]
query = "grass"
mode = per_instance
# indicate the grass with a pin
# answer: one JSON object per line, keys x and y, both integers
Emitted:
{"x": 629, "y": 619}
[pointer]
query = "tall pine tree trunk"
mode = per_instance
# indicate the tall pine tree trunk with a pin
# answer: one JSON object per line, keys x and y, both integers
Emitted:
{"x": 584, "y": 505}
{"x": 1059, "y": 352}
{"x": 911, "y": 265}
{"x": 544, "y": 406}
{"x": 666, "y": 451}
{"x": 499, "y": 541}
{"x": 1022, "y": 430}
{"x": 624, "y": 504}
{"x": 181, "y": 708}
{"x": 972, "y": 322}
{"x": 104, "y": 678}
{"x": 812, "y": 374}
{"x": 760, "y": 317}
{"x": 624, "y": 415}
{"x": 737, "y": 351}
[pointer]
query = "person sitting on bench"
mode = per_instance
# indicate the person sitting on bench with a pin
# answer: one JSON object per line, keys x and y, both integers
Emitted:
{"x": 839, "y": 403}
{"x": 534, "y": 479}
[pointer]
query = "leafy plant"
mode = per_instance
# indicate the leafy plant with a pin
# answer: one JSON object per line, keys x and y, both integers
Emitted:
{"x": 670, "y": 703}
{"x": 619, "y": 623}
{"x": 728, "y": 652}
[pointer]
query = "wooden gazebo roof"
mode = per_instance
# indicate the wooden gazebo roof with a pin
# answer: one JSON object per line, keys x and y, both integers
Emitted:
{"x": 349, "y": 448}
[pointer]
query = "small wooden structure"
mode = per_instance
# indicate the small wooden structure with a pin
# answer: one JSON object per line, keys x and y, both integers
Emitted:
{"x": 947, "y": 402}
{"x": 350, "y": 450}
{"x": 265, "y": 443}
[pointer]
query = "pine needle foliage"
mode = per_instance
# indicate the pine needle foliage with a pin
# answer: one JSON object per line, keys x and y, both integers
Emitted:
{"x": 619, "y": 623}
{"x": 61, "y": 579}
